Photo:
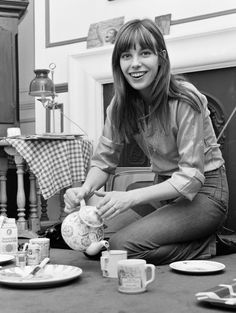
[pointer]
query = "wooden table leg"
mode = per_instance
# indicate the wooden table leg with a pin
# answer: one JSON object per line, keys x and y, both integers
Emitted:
{"x": 20, "y": 198}
{"x": 22, "y": 224}
{"x": 34, "y": 223}
{"x": 44, "y": 204}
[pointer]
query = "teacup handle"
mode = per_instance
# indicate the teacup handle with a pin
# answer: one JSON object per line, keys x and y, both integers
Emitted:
{"x": 153, "y": 268}
{"x": 26, "y": 244}
{"x": 104, "y": 261}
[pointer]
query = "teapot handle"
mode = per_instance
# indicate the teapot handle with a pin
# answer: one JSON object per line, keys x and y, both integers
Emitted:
{"x": 66, "y": 210}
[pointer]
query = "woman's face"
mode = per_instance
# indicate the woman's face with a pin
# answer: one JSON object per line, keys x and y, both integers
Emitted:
{"x": 139, "y": 67}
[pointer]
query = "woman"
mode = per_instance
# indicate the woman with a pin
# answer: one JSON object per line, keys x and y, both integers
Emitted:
{"x": 169, "y": 119}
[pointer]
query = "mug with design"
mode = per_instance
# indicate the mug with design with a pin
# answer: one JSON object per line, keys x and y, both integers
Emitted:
{"x": 21, "y": 258}
{"x": 109, "y": 260}
{"x": 132, "y": 275}
{"x": 44, "y": 244}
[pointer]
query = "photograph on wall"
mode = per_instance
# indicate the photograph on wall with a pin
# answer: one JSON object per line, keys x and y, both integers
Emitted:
{"x": 104, "y": 32}
{"x": 163, "y": 22}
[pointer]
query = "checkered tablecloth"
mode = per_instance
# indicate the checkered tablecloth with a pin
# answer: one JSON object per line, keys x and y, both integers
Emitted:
{"x": 56, "y": 164}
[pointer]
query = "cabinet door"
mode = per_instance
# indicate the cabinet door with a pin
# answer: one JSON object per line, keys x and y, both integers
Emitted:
{"x": 7, "y": 98}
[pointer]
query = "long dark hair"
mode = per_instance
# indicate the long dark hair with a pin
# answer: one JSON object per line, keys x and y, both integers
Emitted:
{"x": 128, "y": 108}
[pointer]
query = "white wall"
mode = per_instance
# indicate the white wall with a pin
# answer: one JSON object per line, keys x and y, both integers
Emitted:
{"x": 26, "y": 67}
{"x": 68, "y": 17}
{"x": 71, "y": 19}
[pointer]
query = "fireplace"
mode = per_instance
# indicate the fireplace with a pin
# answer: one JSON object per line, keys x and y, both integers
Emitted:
{"x": 207, "y": 58}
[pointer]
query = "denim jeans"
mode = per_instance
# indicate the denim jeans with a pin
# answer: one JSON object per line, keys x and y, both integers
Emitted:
{"x": 181, "y": 229}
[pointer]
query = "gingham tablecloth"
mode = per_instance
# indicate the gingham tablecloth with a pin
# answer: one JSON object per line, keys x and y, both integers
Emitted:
{"x": 56, "y": 164}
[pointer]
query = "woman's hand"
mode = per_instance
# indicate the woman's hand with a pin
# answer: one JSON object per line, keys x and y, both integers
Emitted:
{"x": 113, "y": 203}
{"x": 72, "y": 198}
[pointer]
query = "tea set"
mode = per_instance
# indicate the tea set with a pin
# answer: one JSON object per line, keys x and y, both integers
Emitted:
{"x": 83, "y": 230}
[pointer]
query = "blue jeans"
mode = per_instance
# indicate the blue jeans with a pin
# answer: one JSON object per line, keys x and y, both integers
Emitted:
{"x": 181, "y": 229}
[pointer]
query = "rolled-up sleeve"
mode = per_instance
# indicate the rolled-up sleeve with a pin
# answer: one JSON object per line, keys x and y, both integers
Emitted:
{"x": 187, "y": 182}
{"x": 107, "y": 155}
{"x": 108, "y": 151}
{"x": 190, "y": 144}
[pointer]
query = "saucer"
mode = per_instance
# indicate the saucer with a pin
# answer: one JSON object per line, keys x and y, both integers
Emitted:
{"x": 197, "y": 266}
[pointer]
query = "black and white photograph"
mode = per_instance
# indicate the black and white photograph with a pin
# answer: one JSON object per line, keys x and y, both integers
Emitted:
{"x": 117, "y": 156}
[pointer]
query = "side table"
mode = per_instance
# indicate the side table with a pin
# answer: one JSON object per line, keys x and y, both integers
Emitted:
{"x": 55, "y": 162}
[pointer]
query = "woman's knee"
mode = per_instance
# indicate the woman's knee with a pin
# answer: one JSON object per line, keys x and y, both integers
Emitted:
{"x": 117, "y": 241}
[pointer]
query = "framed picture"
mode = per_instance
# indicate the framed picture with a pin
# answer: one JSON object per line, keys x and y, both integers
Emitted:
{"x": 104, "y": 32}
{"x": 163, "y": 22}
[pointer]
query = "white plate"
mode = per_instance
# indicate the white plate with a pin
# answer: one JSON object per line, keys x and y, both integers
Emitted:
{"x": 6, "y": 258}
{"x": 197, "y": 266}
{"x": 52, "y": 274}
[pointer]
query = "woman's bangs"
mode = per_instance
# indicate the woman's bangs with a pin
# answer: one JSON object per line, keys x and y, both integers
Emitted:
{"x": 145, "y": 39}
{"x": 138, "y": 36}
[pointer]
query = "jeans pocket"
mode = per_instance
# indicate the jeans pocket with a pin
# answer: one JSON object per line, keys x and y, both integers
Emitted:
{"x": 216, "y": 187}
{"x": 221, "y": 204}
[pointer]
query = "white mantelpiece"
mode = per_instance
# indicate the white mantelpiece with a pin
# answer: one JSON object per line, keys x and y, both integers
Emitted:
{"x": 90, "y": 69}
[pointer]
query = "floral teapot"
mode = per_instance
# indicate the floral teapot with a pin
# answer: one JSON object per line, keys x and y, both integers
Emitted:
{"x": 83, "y": 230}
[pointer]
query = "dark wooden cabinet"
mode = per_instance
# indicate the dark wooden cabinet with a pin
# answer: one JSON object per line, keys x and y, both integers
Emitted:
{"x": 10, "y": 14}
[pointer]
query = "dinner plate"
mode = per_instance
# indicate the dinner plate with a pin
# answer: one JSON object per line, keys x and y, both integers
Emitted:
{"x": 52, "y": 274}
{"x": 197, "y": 266}
{"x": 4, "y": 258}
{"x": 222, "y": 295}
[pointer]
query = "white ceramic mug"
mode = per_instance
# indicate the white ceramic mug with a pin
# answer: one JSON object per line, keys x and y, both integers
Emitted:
{"x": 132, "y": 275}
{"x": 44, "y": 244}
{"x": 33, "y": 254}
{"x": 109, "y": 260}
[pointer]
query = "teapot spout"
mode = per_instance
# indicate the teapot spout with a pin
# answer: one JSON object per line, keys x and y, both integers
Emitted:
{"x": 96, "y": 247}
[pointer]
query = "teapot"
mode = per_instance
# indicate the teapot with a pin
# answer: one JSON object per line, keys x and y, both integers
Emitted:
{"x": 83, "y": 230}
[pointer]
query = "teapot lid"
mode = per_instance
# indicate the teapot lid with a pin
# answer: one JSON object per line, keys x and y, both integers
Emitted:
{"x": 89, "y": 215}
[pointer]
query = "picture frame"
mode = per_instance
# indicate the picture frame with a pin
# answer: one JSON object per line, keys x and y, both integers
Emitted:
{"x": 163, "y": 22}
{"x": 104, "y": 32}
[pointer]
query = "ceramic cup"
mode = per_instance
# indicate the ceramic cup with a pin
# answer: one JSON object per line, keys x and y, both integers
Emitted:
{"x": 132, "y": 275}
{"x": 21, "y": 258}
{"x": 13, "y": 131}
{"x": 109, "y": 260}
{"x": 44, "y": 244}
{"x": 33, "y": 254}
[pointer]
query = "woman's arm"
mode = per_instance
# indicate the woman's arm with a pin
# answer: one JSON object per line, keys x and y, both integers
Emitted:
{"x": 95, "y": 179}
{"x": 116, "y": 202}
{"x": 158, "y": 192}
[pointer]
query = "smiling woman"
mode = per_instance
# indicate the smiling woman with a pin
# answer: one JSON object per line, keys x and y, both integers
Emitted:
{"x": 140, "y": 67}
{"x": 169, "y": 119}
